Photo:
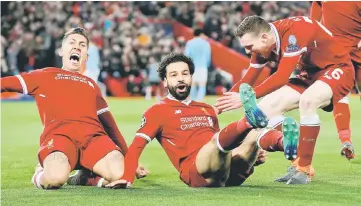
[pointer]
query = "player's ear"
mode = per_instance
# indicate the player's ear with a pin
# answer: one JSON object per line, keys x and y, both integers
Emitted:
{"x": 264, "y": 37}
{"x": 60, "y": 51}
{"x": 165, "y": 83}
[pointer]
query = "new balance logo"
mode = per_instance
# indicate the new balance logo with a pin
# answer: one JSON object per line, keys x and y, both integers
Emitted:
{"x": 178, "y": 111}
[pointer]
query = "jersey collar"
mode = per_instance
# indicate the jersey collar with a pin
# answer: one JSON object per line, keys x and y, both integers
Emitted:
{"x": 186, "y": 102}
{"x": 278, "y": 42}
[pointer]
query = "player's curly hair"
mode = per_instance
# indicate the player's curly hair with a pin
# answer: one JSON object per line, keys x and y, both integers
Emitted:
{"x": 77, "y": 30}
{"x": 254, "y": 24}
{"x": 173, "y": 58}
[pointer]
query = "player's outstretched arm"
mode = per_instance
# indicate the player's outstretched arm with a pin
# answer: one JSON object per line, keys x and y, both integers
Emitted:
{"x": 131, "y": 162}
{"x": 111, "y": 128}
{"x": 13, "y": 84}
{"x": 26, "y": 83}
{"x": 250, "y": 78}
{"x": 231, "y": 100}
{"x": 279, "y": 78}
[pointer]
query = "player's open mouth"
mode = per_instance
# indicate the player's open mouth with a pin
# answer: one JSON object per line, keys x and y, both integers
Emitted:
{"x": 74, "y": 58}
{"x": 182, "y": 88}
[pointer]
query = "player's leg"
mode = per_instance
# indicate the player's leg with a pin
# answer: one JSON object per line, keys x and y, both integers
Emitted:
{"x": 195, "y": 84}
{"x": 202, "y": 85}
{"x": 342, "y": 116}
{"x": 213, "y": 160}
{"x": 58, "y": 156}
{"x": 104, "y": 158}
{"x": 318, "y": 95}
{"x": 275, "y": 105}
{"x": 335, "y": 84}
{"x": 357, "y": 66}
{"x": 148, "y": 91}
{"x": 243, "y": 160}
{"x": 279, "y": 102}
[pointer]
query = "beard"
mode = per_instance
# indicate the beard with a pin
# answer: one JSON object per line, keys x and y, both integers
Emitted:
{"x": 180, "y": 95}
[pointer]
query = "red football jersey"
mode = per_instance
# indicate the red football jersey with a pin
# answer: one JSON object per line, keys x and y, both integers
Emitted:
{"x": 343, "y": 19}
{"x": 303, "y": 36}
{"x": 180, "y": 127}
{"x": 63, "y": 98}
{"x": 301, "y": 43}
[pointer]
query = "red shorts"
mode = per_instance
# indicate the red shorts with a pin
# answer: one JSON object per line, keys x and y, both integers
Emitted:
{"x": 86, "y": 156}
{"x": 189, "y": 173}
{"x": 341, "y": 80}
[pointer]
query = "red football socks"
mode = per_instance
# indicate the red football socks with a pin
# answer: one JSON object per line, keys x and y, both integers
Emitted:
{"x": 342, "y": 116}
{"x": 231, "y": 136}
{"x": 271, "y": 141}
{"x": 309, "y": 130}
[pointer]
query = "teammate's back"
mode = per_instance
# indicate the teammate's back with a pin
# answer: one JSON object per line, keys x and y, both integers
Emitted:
{"x": 302, "y": 34}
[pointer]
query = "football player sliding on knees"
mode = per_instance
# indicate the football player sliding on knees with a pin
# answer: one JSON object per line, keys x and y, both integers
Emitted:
{"x": 325, "y": 77}
{"x": 79, "y": 129}
{"x": 188, "y": 131}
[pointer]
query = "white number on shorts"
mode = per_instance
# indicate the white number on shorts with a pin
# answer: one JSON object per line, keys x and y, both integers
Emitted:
{"x": 335, "y": 74}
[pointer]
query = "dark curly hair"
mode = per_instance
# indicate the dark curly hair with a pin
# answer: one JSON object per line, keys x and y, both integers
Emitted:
{"x": 173, "y": 58}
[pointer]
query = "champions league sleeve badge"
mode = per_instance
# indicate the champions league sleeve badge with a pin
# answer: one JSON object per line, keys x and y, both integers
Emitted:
{"x": 144, "y": 120}
{"x": 292, "y": 44}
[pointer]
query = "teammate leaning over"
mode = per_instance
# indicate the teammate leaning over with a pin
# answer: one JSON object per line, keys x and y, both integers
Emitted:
{"x": 326, "y": 76}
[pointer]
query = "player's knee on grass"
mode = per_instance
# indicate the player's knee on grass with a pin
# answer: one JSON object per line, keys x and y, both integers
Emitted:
{"x": 111, "y": 167}
{"x": 56, "y": 170}
{"x": 279, "y": 102}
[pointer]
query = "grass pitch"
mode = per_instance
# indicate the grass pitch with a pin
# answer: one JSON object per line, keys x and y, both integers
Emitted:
{"x": 337, "y": 181}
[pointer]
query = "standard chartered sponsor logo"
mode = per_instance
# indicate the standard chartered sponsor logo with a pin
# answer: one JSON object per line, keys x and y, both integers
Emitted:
{"x": 195, "y": 121}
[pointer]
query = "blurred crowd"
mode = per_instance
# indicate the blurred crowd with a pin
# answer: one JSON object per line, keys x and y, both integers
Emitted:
{"x": 220, "y": 19}
{"x": 131, "y": 36}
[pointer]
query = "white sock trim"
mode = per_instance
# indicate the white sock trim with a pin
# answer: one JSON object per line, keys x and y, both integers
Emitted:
{"x": 275, "y": 121}
{"x": 219, "y": 145}
{"x": 310, "y": 120}
{"x": 37, "y": 181}
{"x": 260, "y": 136}
{"x": 100, "y": 182}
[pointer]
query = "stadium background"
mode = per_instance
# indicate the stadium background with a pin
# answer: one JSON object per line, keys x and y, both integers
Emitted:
{"x": 127, "y": 34}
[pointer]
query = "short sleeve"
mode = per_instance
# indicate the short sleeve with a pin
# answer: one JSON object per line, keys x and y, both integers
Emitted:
{"x": 31, "y": 81}
{"x": 297, "y": 37}
{"x": 150, "y": 124}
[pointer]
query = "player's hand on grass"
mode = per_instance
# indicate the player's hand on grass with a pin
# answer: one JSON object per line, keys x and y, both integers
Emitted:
{"x": 141, "y": 172}
{"x": 229, "y": 101}
{"x": 119, "y": 184}
{"x": 262, "y": 156}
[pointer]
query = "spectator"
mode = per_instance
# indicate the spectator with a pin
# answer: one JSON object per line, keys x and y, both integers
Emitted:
{"x": 154, "y": 81}
{"x": 200, "y": 51}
